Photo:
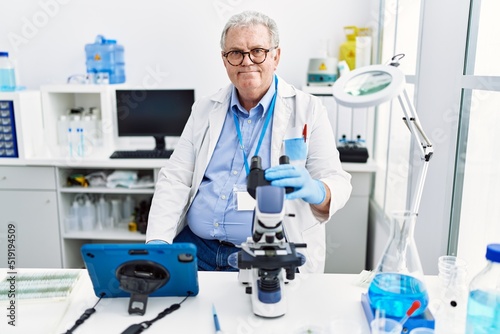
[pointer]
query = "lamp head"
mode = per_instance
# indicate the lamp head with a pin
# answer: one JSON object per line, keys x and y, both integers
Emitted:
{"x": 369, "y": 86}
{"x": 372, "y": 85}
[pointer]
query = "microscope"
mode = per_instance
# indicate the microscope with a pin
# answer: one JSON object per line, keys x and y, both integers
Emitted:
{"x": 266, "y": 259}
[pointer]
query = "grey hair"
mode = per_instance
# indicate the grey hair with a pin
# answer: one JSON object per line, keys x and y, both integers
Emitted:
{"x": 251, "y": 18}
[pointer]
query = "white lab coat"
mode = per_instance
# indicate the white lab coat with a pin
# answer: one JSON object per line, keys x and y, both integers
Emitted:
{"x": 179, "y": 180}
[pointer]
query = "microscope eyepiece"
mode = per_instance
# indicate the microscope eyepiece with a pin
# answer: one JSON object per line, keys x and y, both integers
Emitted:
{"x": 284, "y": 160}
{"x": 256, "y": 162}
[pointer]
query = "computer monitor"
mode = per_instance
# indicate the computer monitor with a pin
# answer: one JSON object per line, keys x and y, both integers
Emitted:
{"x": 153, "y": 112}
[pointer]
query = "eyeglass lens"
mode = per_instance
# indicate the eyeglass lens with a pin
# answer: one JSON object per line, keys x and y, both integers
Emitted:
{"x": 257, "y": 56}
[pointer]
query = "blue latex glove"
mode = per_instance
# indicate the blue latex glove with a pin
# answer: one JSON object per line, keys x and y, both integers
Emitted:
{"x": 310, "y": 190}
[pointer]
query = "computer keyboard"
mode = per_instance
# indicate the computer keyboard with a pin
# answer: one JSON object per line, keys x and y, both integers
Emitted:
{"x": 142, "y": 154}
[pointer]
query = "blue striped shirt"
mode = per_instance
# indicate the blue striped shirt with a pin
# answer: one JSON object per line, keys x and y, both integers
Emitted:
{"x": 213, "y": 213}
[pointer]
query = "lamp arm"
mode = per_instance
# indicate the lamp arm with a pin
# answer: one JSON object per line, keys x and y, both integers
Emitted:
{"x": 420, "y": 187}
{"x": 412, "y": 122}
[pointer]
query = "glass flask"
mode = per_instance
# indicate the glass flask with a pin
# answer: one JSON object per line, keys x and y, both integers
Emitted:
{"x": 398, "y": 279}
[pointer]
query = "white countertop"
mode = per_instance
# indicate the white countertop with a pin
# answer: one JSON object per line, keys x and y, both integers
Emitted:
{"x": 313, "y": 301}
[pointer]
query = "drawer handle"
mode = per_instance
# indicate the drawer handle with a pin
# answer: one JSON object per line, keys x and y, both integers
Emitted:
{"x": 4, "y": 178}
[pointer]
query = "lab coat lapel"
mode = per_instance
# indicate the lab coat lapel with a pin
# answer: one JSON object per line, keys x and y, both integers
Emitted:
{"x": 216, "y": 121}
{"x": 281, "y": 119}
{"x": 214, "y": 126}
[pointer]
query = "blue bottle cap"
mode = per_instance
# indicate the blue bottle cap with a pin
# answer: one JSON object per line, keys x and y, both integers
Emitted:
{"x": 493, "y": 252}
{"x": 4, "y": 54}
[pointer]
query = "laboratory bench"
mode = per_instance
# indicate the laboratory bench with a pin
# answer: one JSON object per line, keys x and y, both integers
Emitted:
{"x": 35, "y": 196}
{"x": 313, "y": 302}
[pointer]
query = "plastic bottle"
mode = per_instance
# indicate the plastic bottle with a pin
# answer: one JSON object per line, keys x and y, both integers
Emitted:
{"x": 89, "y": 128}
{"x": 95, "y": 115}
{"x": 62, "y": 130}
{"x": 77, "y": 136}
{"x": 103, "y": 218}
{"x": 73, "y": 140}
{"x": 7, "y": 73}
{"x": 483, "y": 307}
{"x": 105, "y": 61}
{"x": 89, "y": 215}
{"x": 116, "y": 212}
{"x": 73, "y": 219}
{"x": 450, "y": 308}
{"x": 348, "y": 48}
{"x": 76, "y": 211}
{"x": 128, "y": 207}
{"x": 363, "y": 48}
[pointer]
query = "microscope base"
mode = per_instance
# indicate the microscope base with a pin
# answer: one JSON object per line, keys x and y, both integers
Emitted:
{"x": 263, "y": 307}
{"x": 423, "y": 320}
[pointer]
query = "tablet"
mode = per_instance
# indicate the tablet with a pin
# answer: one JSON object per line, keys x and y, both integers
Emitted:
{"x": 171, "y": 269}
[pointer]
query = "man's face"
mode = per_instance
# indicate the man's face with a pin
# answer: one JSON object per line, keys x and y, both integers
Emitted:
{"x": 250, "y": 78}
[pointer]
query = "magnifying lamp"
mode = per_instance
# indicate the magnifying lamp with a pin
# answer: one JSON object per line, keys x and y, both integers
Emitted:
{"x": 369, "y": 86}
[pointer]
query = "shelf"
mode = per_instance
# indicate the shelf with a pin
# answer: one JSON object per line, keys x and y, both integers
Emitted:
{"x": 98, "y": 190}
{"x": 360, "y": 167}
{"x": 75, "y": 88}
{"x": 73, "y": 240}
{"x": 318, "y": 90}
{"x": 115, "y": 234}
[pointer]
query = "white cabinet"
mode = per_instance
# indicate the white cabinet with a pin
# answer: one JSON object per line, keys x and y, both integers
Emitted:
{"x": 28, "y": 200}
{"x": 72, "y": 239}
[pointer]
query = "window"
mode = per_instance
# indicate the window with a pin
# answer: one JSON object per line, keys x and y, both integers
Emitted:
{"x": 476, "y": 213}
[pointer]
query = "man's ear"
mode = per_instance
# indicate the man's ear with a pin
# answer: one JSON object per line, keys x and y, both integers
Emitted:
{"x": 276, "y": 58}
{"x": 223, "y": 59}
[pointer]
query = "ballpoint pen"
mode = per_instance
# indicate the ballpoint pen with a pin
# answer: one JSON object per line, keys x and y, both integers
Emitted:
{"x": 216, "y": 321}
{"x": 304, "y": 133}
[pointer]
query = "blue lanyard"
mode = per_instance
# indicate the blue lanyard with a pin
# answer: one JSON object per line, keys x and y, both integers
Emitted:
{"x": 264, "y": 127}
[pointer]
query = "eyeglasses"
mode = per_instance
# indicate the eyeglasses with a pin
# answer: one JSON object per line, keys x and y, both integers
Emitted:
{"x": 256, "y": 56}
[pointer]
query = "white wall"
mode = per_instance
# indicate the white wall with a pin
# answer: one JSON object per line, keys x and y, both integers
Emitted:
{"x": 167, "y": 43}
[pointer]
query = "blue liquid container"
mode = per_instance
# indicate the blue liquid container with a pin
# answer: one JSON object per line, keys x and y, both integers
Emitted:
{"x": 105, "y": 59}
{"x": 483, "y": 312}
{"x": 7, "y": 73}
{"x": 483, "y": 307}
{"x": 394, "y": 293}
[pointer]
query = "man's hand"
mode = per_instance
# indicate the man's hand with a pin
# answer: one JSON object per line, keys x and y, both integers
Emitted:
{"x": 310, "y": 190}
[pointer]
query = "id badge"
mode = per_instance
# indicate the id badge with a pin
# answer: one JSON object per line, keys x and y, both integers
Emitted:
{"x": 244, "y": 202}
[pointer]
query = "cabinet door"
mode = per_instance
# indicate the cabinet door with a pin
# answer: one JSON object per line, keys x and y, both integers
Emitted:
{"x": 34, "y": 214}
{"x": 21, "y": 177}
{"x": 346, "y": 232}
{"x": 346, "y": 238}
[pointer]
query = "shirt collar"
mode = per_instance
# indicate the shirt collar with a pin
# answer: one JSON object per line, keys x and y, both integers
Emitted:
{"x": 261, "y": 107}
